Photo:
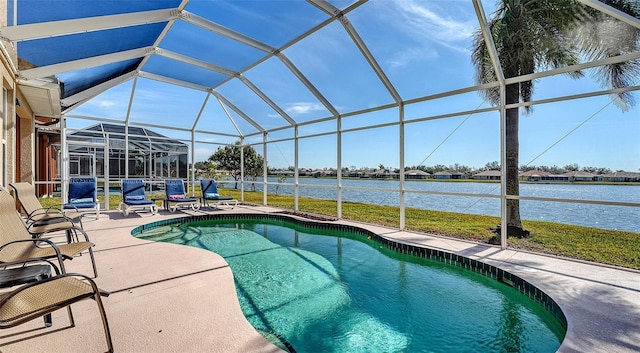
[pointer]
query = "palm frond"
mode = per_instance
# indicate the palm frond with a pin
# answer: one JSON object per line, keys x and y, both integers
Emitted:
{"x": 604, "y": 37}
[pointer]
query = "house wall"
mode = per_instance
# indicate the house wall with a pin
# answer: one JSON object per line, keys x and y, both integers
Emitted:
{"x": 8, "y": 151}
{"x": 25, "y": 143}
{"x": 17, "y": 150}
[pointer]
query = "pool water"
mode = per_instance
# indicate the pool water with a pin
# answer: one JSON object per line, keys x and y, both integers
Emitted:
{"x": 336, "y": 294}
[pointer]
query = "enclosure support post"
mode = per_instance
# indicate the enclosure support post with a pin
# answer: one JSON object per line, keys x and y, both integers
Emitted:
{"x": 193, "y": 163}
{"x": 339, "y": 164}
{"x": 126, "y": 149}
{"x": 401, "y": 149}
{"x": 296, "y": 180}
{"x": 493, "y": 54}
{"x": 65, "y": 160}
{"x": 105, "y": 160}
{"x": 264, "y": 169}
{"x": 242, "y": 168}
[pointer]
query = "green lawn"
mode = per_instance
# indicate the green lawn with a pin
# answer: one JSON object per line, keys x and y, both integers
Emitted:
{"x": 611, "y": 247}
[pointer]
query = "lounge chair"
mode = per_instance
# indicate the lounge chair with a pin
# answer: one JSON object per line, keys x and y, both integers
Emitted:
{"x": 210, "y": 195}
{"x": 39, "y": 220}
{"x": 83, "y": 196}
{"x": 175, "y": 194}
{"x": 17, "y": 244}
{"x": 31, "y": 301}
{"x": 36, "y": 214}
{"x": 134, "y": 197}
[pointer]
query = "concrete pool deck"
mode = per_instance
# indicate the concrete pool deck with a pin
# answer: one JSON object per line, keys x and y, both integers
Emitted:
{"x": 172, "y": 298}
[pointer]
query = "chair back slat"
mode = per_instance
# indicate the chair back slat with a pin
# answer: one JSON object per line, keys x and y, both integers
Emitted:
{"x": 26, "y": 195}
{"x": 12, "y": 227}
{"x": 132, "y": 187}
{"x": 174, "y": 187}
{"x": 208, "y": 186}
{"x": 83, "y": 188}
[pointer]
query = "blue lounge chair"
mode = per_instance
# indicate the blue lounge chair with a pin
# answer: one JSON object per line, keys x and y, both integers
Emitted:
{"x": 176, "y": 196}
{"x": 134, "y": 197}
{"x": 210, "y": 194}
{"x": 83, "y": 195}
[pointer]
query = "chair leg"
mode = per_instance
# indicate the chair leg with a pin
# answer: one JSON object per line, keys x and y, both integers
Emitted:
{"x": 93, "y": 263}
{"x": 71, "y": 321}
{"x": 105, "y": 323}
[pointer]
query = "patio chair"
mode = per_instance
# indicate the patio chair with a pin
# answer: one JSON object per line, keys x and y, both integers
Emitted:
{"x": 27, "y": 271}
{"x": 41, "y": 218}
{"x": 50, "y": 221}
{"x": 83, "y": 195}
{"x": 134, "y": 197}
{"x": 210, "y": 194}
{"x": 175, "y": 194}
{"x": 38, "y": 299}
{"x": 17, "y": 244}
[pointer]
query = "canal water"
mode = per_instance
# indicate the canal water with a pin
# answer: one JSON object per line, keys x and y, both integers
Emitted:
{"x": 598, "y": 216}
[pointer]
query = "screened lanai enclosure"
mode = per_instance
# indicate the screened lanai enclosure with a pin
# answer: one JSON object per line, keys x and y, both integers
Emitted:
{"x": 140, "y": 153}
{"x": 348, "y": 85}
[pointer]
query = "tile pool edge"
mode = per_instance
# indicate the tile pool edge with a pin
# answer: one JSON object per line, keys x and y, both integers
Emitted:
{"x": 487, "y": 270}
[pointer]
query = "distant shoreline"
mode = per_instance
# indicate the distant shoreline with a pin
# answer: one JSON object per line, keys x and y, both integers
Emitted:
{"x": 623, "y": 183}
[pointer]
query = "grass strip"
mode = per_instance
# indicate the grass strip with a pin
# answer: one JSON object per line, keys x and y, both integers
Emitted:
{"x": 612, "y": 247}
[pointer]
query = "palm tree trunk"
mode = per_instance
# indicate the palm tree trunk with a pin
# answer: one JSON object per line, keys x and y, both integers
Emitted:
{"x": 514, "y": 224}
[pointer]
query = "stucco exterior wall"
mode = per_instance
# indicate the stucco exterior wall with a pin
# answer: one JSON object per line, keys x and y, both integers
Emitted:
{"x": 18, "y": 137}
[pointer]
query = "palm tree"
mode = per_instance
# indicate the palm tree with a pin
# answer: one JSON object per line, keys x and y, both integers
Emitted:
{"x": 531, "y": 35}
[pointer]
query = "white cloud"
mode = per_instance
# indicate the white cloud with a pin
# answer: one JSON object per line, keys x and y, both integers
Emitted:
{"x": 106, "y": 104}
{"x": 426, "y": 22}
{"x": 300, "y": 108}
{"x": 405, "y": 57}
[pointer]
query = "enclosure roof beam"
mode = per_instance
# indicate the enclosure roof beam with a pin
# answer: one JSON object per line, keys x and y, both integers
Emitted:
{"x": 81, "y": 97}
{"x": 237, "y": 110}
{"x": 266, "y": 99}
{"x": 81, "y": 25}
{"x": 191, "y": 61}
{"x": 598, "y": 5}
{"x": 226, "y": 32}
{"x": 50, "y": 70}
{"x": 307, "y": 84}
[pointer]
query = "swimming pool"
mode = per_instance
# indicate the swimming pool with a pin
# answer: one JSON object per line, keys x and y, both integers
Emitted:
{"x": 347, "y": 291}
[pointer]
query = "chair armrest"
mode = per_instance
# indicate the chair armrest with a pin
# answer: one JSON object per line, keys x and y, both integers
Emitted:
{"x": 37, "y": 240}
{"x": 80, "y": 277}
{"x": 31, "y": 260}
{"x": 44, "y": 210}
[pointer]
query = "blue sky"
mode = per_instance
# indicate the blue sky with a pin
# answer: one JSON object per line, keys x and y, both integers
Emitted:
{"x": 424, "y": 49}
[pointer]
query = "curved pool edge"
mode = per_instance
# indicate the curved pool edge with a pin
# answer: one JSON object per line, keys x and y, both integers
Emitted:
{"x": 514, "y": 281}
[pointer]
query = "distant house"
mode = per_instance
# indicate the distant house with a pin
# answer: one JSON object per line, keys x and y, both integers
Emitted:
{"x": 533, "y": 175}
{"x": 382, "y": 174}
{"x": 555, "y": 177}
{"x": 539, "y": 175}
{"x": 488, "y": 175}
{"x": 446, "y": 174}
{"x": 354, "y": 173}
{"x": 580, "y": 176}
{"x": 621, "y": 177}
{"x": 324, "y": 173}
{"x": 416, "y": 174}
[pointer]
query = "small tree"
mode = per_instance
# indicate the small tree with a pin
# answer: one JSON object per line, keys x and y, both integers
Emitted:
{"x": 228, "y": 159}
